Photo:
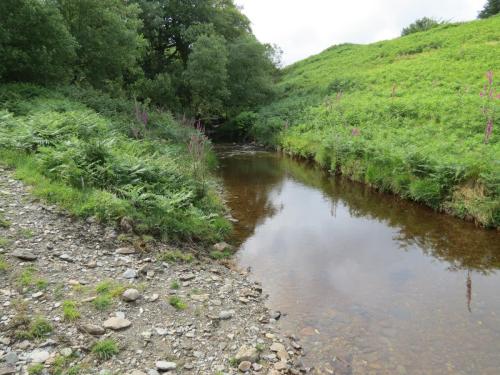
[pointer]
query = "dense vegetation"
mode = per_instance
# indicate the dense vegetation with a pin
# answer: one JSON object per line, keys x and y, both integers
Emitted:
{"x": 86, "y": 152}
{"x": 491, "y": 8}
{"x": 414, "y": 115}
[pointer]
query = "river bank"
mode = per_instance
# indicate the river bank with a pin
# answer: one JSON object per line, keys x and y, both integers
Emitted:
{"x": 77, "y": 298}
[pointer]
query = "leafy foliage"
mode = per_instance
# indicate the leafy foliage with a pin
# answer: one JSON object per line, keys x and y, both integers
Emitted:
{"x": 422, "y": 24}
{"x": 491, "y": 8}
{"x": 404, "y": 116}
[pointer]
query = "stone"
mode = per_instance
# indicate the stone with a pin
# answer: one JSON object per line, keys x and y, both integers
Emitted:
{"x": 126, "y": 251}
{"x": 92, "y": 329}
{"x": 39, "y": 356}
{"x": 117, "y": 323}
{"x": 296, "y": 345}
{"x": 153, "y": 372}
{"x": 131, "y": 295}
{"x": 277, "y": 347}
{"x": 7, "y": 370}
{"x": 187, "y": 277}
{"x": 281, "y": 366}
{"x": 66, "y": 352}
{"x": 130, "y": 274}
{"x": 221, "y": 246}
{"x": 247, "y": 353}
{"x": 200, "y": 297}
{"x": 165, "y": 366}
{"x": 25, "y": 255}
{"x": 257, "y": 367}
{"x": 244, "y": 366}
{"x": 137, "y": 372}
{"x": 67, "y": 258}
{"x": 226, "y": 315}
{"x": 10, "y": 358}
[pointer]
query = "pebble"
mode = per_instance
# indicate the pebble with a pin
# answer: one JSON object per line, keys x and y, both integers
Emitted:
{"x": 247, "y": 353}
{"x": 131, "y": 295}
{"x": 25, "y": 255}
{"x": 130, "y": 274}
{"x": 125, "y": 251}
{"x": 244, "y": 366}
{"x": 39, "y": 356}
{"x": 165, "y": 366}
{"x": 187, "y": 277}
{"x": 117, "y": 323}
{"x": 92, "y": 329}
{"x": 226, "y": 315}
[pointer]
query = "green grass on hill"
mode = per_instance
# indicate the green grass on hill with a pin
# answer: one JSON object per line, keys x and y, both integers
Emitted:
{"x": 403, "y": 115}
{"x": 88, "y": 153}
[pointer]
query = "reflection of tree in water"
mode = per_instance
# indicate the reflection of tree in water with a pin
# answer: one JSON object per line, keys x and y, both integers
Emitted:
{"x": 253, "y": 177}
{"x": 460, "y": 244}
{"x": 468, "y": 293}
{"x": 249, "y": 179}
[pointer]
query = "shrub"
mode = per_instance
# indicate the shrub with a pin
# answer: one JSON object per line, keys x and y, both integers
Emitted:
{"x": 105, "y": 349}
{"x": 422, "y": 24}
{"x": 177, "y": 303}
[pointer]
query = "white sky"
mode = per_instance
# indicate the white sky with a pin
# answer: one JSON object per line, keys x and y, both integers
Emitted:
{"x": 306, "y": 27}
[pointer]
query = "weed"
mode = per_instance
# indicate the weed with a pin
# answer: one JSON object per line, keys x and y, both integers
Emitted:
{"x": 5, "y": 242}
{"x": 4, "y": 223}
{"x": 177, "y": 303}
{"x": 175, "y": 285}
{"x": 233, "y": 362}
{"x": 4, "y": 266}
{"x": 25, "y": 233}
{"x": 36, "y": 369}
{"x": 102, "y": 302}
{"x": 40, "y": 328}
{"x": 70, "y": 311}
{"x": 105, "y": 349}
{"x": 219, "y": 255}
{"x": 260, "y": 348}
{"x": 176, "y": 256}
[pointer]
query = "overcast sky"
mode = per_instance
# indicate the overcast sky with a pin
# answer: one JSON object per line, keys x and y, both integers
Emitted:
{"x": 306, "y": 27}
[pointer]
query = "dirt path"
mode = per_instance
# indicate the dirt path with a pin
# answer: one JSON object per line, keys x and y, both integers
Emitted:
{"x": 76, "y": 299}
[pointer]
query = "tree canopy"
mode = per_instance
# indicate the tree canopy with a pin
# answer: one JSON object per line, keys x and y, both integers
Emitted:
{"x": 491, "y": 8}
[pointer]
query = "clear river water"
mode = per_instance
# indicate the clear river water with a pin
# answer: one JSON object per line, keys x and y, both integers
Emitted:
{"x": 371, "y": 284}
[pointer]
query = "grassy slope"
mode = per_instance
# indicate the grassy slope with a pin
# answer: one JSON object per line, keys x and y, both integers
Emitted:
{"x": 79, "y": 149}
{"x": 409, "y": 119}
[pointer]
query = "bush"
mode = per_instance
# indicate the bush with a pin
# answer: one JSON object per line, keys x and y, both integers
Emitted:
{"x": 422, "y": 24}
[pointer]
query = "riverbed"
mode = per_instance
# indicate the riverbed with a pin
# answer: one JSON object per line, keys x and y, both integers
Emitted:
{"x": 372, "y": 284}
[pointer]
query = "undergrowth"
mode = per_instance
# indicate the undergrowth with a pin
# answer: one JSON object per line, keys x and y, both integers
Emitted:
{"x": 88, "y": 153}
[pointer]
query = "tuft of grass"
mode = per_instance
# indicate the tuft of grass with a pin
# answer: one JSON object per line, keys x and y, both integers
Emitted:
{"x": 105, "y": 349}
{"x": 260, "y": 348}
{"x": 175, "y": 285}
{"x": 4, "y": 223}
{"x": 220, "y": 255}
{"x": 40, "y": 328}
{"x": 25, "y": 233}
{"x": 4, "y": 265}
{"x": 5, "y": 242}
{"x": 102, "y": 302}
{"x": 36, "y": 369}
{"x": 177, "y": 303}
{"x": 28, "y": 279}
{"x": 70, "y": 311}
{"x": 233, "y": 362}
{"x": 176, "y": 256}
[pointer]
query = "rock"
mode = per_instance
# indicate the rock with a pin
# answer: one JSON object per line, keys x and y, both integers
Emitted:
{"x": 37, "y": 295}
{"x": 39, "y": 356}
{"x": 281, "y": 366}
{"x": 131, "y": 295}
{"x": 277, "y": 347}
{"x": 66, "y": 352}
{"x": 126, "y": 250}
{"x": 7, "y": 370}
{"x": 66, "y": 258}
{"x": 257, "y": 367}
{"x": 10, "y": 358}
{"x": 200, "y": 297}
{"x": 276, "y": 315}
{"x": 296, "y": 345}
{"x": 153, "y": 372}
{"x": 137, "y": 372}
{"x": 165, "y": 366}
{"x": 226, "y": 315}
{"x": 25, "y": 255}
{"x": 92, "y": 329}
{"x": 221, "y": 246}
{"x": 187, "y": 277}
{"x": 117, "y": 323}
{"x": 129, "y": 274}
{"x": 247, "y": 353}
{"x": 244, "y": 366}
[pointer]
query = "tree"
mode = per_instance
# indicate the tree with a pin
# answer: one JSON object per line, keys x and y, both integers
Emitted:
{"x": 206, "y": 75}
{"x": 491, "y": 8}
{"x": 35, "y": 45}
{"x": 107, "y": 32}
{"x": 250, "y": 73}
{"x": 422, "y": 24}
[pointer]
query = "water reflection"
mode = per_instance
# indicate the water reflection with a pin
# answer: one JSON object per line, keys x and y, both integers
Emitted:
{"x": 373, "y": 281}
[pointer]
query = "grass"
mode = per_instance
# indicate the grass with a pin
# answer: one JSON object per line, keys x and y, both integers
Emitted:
{"x": 32, "y": 329}
{"x": 70, "y": 311}
{"x": 107, "y": 291}
{"x": 404, "y": 116}
{"x": 177, "y": 303}
{"x": 176, "y": 256}
{"x": 4, "y": 242}
{"x": 4, "y": 265}
{"x": 175, "y": 285}
{"x": 220, "y": 255}
{"x": 25, "y": 233}
{"x": 103, "y": 302}
{"x": 105, "y": 349}
{"x": 28, "y": 279}
{"x": 78, "y": 149}
{"x": 4, "y": 223}
{"x": 36, "y": 369}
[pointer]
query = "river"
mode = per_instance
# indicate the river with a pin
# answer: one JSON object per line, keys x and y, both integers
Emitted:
{"x": 372, "y": 284}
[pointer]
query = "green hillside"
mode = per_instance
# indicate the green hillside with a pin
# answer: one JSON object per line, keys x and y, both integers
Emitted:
{"x": 404, "y": 115}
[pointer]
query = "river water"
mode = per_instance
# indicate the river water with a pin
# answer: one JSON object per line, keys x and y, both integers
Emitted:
{"x": 372, "y": 284}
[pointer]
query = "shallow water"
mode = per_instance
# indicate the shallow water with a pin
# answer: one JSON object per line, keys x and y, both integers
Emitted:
{"x": 371, "y": 283}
